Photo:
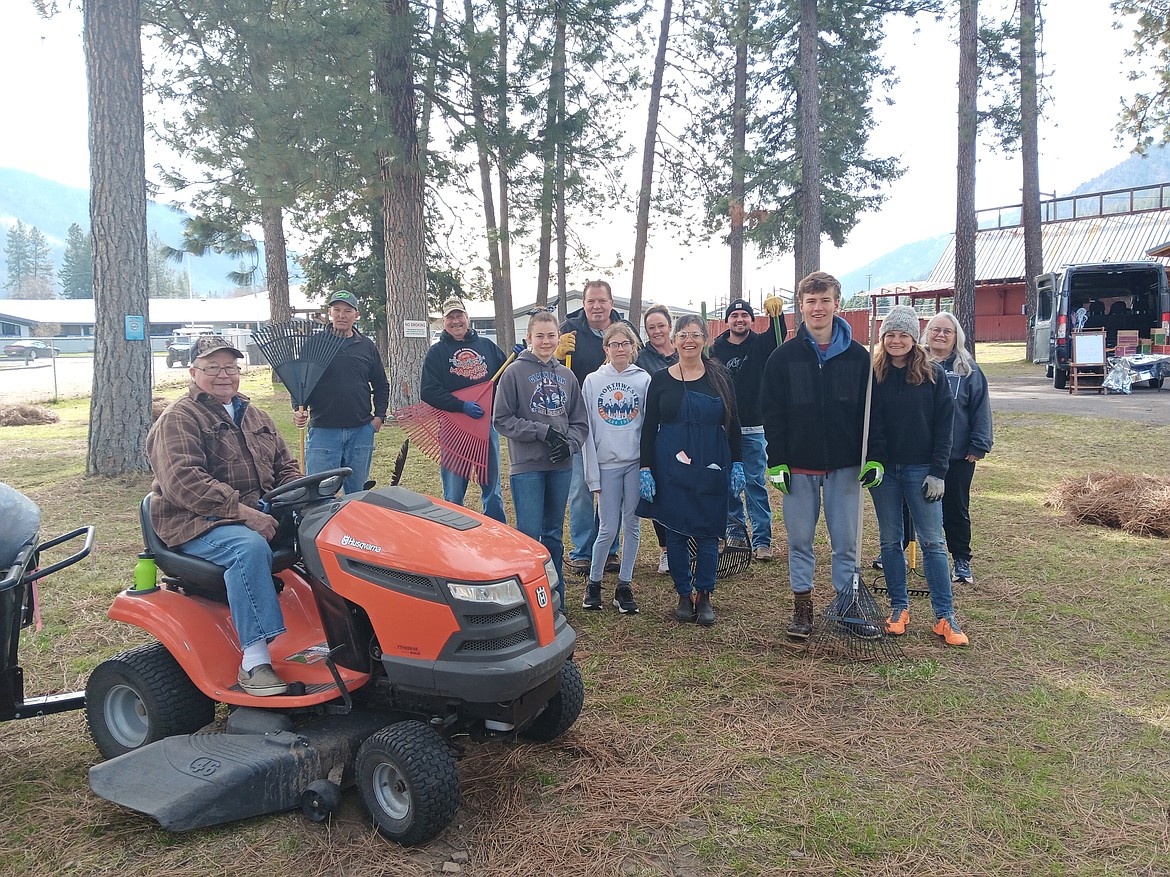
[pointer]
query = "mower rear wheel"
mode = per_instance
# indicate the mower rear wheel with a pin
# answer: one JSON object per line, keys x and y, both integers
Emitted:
{"x": 320, "y": 800}
{"x": 141, "y": 696}
{"x": 409, "y": 782}
{"x": 564, "y": 708}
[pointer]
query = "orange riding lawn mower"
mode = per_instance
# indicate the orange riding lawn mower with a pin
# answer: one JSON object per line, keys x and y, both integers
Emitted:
{"x": 409, "y": 622}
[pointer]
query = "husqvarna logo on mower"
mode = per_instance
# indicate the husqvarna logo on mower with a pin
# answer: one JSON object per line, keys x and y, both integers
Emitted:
{"x": 542, "y": 596}
{"x": 365, "y": 546}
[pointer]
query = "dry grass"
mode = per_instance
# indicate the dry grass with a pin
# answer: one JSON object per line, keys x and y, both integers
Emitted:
{"x": 1138, "y": 504}
{"x": 26, "y": 415}
{"x": 1040, "y": 750}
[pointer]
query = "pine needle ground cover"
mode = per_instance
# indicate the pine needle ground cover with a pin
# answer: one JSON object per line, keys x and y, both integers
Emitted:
{"x": 1041, "y": 750}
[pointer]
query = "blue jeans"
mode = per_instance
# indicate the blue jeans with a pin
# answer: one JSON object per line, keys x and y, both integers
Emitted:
{"x": 334, "y": 448}
{"x": 583, "y": 519}
{"x": 706, "y": 563}
{"x": 904, "y": 484}
{"x": 841, "y": 493}
{"x": 755, "y": 492}
{"x": 455, "y": 486}
{"x": 247, "y": 558}
{"x": 539, "y": 500}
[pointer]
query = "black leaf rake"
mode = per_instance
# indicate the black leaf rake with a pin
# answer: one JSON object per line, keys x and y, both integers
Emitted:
{"x": 299, "y": 351}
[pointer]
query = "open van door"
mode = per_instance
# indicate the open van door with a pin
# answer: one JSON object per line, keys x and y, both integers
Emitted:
{"x": 1045, "y": 316}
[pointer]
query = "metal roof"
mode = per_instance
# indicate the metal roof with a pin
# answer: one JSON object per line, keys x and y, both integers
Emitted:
{"x": 999, "y": 252}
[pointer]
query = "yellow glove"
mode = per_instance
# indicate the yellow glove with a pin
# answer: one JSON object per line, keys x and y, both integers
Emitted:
{"x": 566, "y": 345}
{"x": 774, "y": 306}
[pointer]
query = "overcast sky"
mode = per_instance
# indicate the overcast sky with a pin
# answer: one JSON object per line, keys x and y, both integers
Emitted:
{"x": 43, "y": 106}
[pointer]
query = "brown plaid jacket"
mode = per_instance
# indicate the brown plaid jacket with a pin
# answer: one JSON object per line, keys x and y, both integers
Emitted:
{"x": 205, "y": 466}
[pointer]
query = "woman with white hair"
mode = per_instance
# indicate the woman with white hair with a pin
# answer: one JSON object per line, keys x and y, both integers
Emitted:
{"x": 971, "y": 439}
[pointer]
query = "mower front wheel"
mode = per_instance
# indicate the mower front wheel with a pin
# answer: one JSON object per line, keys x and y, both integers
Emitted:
{"x": 562, "y": 710}
{"x": 409, "y": 782}
{"x": 141, "y": 696}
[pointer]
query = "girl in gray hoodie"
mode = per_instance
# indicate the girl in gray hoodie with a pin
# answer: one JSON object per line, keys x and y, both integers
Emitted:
{"x": 615, "y": 397}
{"x": 538, "y": 408}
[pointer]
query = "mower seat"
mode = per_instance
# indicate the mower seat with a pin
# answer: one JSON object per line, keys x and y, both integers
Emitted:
{"x": 198, "y": 576}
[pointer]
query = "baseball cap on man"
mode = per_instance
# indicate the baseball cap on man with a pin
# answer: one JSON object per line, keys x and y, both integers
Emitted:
{"x": 453, "y": 304}
{"x": 345, "y": 297}
{"x": 739, "y": 305}
{"x": 206, "y": 344}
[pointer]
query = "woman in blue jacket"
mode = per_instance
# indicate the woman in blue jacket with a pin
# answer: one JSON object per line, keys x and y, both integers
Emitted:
{"x": 946, "y": 343}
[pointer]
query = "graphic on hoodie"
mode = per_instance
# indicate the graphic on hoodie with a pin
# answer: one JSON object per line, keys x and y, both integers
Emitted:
{"x": 618, "y": 404}
{"x": 469, "y": 364}
{"x": 548, "y": 396}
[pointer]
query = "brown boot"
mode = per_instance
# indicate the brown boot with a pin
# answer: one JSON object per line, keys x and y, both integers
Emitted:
{"x": 802, "y": 619}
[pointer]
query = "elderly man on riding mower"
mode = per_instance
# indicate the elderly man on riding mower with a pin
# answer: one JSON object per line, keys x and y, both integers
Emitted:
{"x": 214, "y": 455}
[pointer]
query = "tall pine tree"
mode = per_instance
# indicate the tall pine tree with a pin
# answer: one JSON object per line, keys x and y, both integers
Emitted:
{"x": 77, "y": 264}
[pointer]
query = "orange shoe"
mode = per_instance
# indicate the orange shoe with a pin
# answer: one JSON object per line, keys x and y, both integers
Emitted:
{"x": 896, "y": 624}
{"x": 948, "y": 629}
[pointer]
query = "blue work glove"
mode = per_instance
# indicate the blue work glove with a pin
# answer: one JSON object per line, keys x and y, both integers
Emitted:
{"x": 871, "y": 475}
{"x": 646, "y": 486}
{"x": 933, "y": 488}
{"x": 738, "y": 479}
{"x": 519, "y": 348}
{"x": 780, "y": 477}
{"x": 472, "y": 410}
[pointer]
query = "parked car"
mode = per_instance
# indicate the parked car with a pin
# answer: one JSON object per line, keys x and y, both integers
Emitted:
{"x": 179, "y": 344}
{"x": 30, "y": 350}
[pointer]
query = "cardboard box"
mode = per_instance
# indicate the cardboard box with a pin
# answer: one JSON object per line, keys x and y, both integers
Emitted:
{"x": 1125, "y": 350}
{"x": 1160, "y": 348}
{"x": 1127, "y": 337}
{"x": 1158, "y": 336}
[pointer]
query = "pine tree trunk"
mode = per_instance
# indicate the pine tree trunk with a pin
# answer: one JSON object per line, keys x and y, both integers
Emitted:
{"x": 552, "y": 136}
{"x": 424, "y": 134}
{"x": 482, "y": 149}
{"x": 120, "y": 405}
{"x": 505, "y": 322}
{"x": 275, "y": 261}
{"x": 1029, "y": 148}
{"x": 642, "y": 224}
{"x": 402, "y": 179}
{"x": 965, "y": 224}
{"x": 738, "y": 148}
{"x": 810, "y": 141}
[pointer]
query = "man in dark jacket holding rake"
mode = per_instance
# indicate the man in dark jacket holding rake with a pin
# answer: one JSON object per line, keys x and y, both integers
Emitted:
{"x": 462, "y": 358}
{"x": 813, "y": 409}
{"x": 341, "y": 425}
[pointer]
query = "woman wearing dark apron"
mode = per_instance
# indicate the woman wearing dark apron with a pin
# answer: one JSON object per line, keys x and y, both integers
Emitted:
{"x": 690, "y": 458}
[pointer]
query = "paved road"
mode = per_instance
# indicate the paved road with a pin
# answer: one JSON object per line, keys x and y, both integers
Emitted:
{"x": 64, "y": 377}
{"x": 1035, "y": 394}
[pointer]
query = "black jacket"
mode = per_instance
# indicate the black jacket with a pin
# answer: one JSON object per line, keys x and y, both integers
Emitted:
{"x": 456, "y": 365}
{"x": 746, "y": 363}
{"x": 589, "y": 355}
{"x": 814, "y": 413}
{"x": 917, "y": 421}
{"x": 353, "y": 382}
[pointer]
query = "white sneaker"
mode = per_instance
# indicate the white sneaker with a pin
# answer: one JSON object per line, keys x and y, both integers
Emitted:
{"x": 663, "y": 564}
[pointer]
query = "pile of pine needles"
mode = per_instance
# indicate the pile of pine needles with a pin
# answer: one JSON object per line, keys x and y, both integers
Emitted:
{"x": 26, "y": 415}
{"x": 1138, "y": 504}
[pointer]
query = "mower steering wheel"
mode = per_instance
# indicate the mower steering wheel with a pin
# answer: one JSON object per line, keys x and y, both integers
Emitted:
{"x": 310, "y": 489}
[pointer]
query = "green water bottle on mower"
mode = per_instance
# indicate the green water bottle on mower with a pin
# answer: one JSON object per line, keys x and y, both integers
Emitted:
{"x": 145, "y": 572}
